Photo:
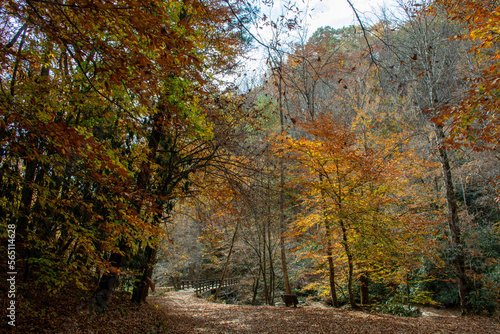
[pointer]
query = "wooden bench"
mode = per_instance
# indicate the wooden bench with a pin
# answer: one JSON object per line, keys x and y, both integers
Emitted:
{"x": 290, "y": 300}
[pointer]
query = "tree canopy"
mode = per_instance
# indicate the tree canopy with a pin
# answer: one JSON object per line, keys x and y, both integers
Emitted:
{"x": 361, "y": 167}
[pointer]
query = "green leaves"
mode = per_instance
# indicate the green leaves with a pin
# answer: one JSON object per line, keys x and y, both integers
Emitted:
{"x": 79, "y": 168}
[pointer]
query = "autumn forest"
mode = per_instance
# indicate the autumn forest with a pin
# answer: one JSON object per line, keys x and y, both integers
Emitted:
{"x": 141, "y": 146}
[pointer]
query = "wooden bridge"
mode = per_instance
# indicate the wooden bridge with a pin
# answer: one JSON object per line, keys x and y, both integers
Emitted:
{"x": 202, "y": 285}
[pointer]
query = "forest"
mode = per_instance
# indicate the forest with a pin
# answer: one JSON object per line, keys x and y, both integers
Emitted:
{"x": 356, "y": 167}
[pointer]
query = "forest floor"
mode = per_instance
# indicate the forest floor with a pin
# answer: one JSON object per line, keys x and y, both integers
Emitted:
{"x": 184, "y": 313}
{"x": 181, "y": 312}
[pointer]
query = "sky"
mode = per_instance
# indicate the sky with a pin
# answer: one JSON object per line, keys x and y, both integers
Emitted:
{"x": 316, "y": 14}
{"x": 338, "y": 13}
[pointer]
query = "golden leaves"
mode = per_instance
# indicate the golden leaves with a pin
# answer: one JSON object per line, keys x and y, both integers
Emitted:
{"x": 481, "y": 103}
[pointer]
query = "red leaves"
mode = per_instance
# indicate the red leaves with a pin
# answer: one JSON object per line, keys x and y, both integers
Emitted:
{"x": 481, "y": 102}
{"x": 88, "y": 77}
{"x": 151, "y": 284}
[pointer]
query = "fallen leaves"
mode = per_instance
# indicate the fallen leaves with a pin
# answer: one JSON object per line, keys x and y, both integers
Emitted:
{"x": 181, "y": 312}
{"x": 185, "y": 313}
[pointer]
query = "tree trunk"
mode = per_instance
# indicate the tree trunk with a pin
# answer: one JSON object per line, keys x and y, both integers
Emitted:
{"x": 408, "y": 299}
{"x": 453, "y": 221}
{"x": 331, "y": 270}
{"x": 28, "y": 190}
{"x": 140, "y": 291}
{"x": 108, "y": 280}
{"x": 284, "y": 269}
{"x": 363, "y": 282}
{"x": 264, "y": 265}
{"x": 25, "y": 212}
{"x": 329, "y": 249}
{"x": 350, "y": 264}
{"x": 26, "y": 198}
{"x": 141, "y": 288}
{"x": 256, "y": 287}
{"x": 331, "y": 267}
{"x": 272, "y": 277}
{"x": 226, "y": 265}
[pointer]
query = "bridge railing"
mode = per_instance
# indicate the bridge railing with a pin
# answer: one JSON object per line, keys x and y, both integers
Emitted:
{"x": 203, "y": 285}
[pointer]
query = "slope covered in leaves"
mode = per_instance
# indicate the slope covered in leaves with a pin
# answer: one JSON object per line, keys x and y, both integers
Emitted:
{"x": 182, "y": 312}
{"x": 185, "y": 313}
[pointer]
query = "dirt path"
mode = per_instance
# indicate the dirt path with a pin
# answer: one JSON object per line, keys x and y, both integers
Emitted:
{"x": 187, "y": 314}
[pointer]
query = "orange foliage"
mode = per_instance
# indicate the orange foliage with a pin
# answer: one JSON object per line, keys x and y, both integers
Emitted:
{"x": 476, "y": 120}
{"x": 357, "y": 188}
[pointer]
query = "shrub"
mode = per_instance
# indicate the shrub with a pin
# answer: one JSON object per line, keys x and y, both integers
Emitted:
{"x": 482, "y": 300}
{"x": 394, "y": 307}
